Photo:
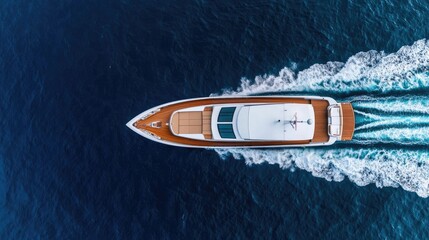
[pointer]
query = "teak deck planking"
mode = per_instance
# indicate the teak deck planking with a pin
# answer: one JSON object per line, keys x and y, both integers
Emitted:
{"x": 321, "y": 121}
{"x": 348, "y": 121}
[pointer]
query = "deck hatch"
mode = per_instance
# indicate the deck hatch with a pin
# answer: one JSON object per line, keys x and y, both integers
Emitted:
{"x": 226, "y": 114}
{"x": 226, "y": 130}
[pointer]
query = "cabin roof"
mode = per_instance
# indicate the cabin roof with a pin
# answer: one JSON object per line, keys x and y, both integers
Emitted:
{"x": 288, "y": 121}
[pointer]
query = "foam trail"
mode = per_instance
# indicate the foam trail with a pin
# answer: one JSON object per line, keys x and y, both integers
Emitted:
{"x": 371, "y": 71}
{"x": 407, "y": 104}
{"x": 396, "y": 135}
{"x": 398, "y": 121}
{"x": 406, "y": 168}
{"x": 368, "y": 115}
{"x": 408, "y": 122}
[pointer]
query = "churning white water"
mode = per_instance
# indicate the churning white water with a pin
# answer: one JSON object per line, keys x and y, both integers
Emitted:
{"x": 390, "y": 146}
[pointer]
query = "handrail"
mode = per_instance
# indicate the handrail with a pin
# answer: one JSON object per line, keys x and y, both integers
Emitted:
{"x": 150, "y": 114}
{"x": 151, "y": 133}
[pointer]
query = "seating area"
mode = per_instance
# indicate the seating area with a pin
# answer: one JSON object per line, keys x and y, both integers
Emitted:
{"x": 334, "y": 121}
{"x": 193, "y": 122}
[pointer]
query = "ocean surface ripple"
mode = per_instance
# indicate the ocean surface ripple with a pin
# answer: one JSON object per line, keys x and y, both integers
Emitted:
{"x": 73, "y": 72}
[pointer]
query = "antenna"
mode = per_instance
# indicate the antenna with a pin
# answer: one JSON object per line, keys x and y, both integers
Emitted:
{"x": 294, "y": 121}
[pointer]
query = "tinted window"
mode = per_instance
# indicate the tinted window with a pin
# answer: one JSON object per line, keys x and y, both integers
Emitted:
{"x": 226, "y": 131}
{"x": 226, "y": 114}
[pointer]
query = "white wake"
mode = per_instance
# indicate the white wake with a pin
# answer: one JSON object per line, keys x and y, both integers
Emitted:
{"x": 403, "y": 104}
{"x": 370, "y": 71}
{"x": 406, "y": 168}
{"x": 401, "y": 121}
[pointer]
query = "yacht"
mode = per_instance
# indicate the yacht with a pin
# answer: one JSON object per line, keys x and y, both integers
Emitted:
{"x": 247, "y": 122}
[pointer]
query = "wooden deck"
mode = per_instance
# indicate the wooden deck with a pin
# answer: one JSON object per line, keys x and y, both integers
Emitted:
{"x": 164, "y": 132}
{"x": 348, "y": 121}
{"x": 207, "y": 122}
{"x": 321, "y": 121}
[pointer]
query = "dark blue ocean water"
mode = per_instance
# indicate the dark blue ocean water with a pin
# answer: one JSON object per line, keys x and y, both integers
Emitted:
{"x": 72, "y": 73}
